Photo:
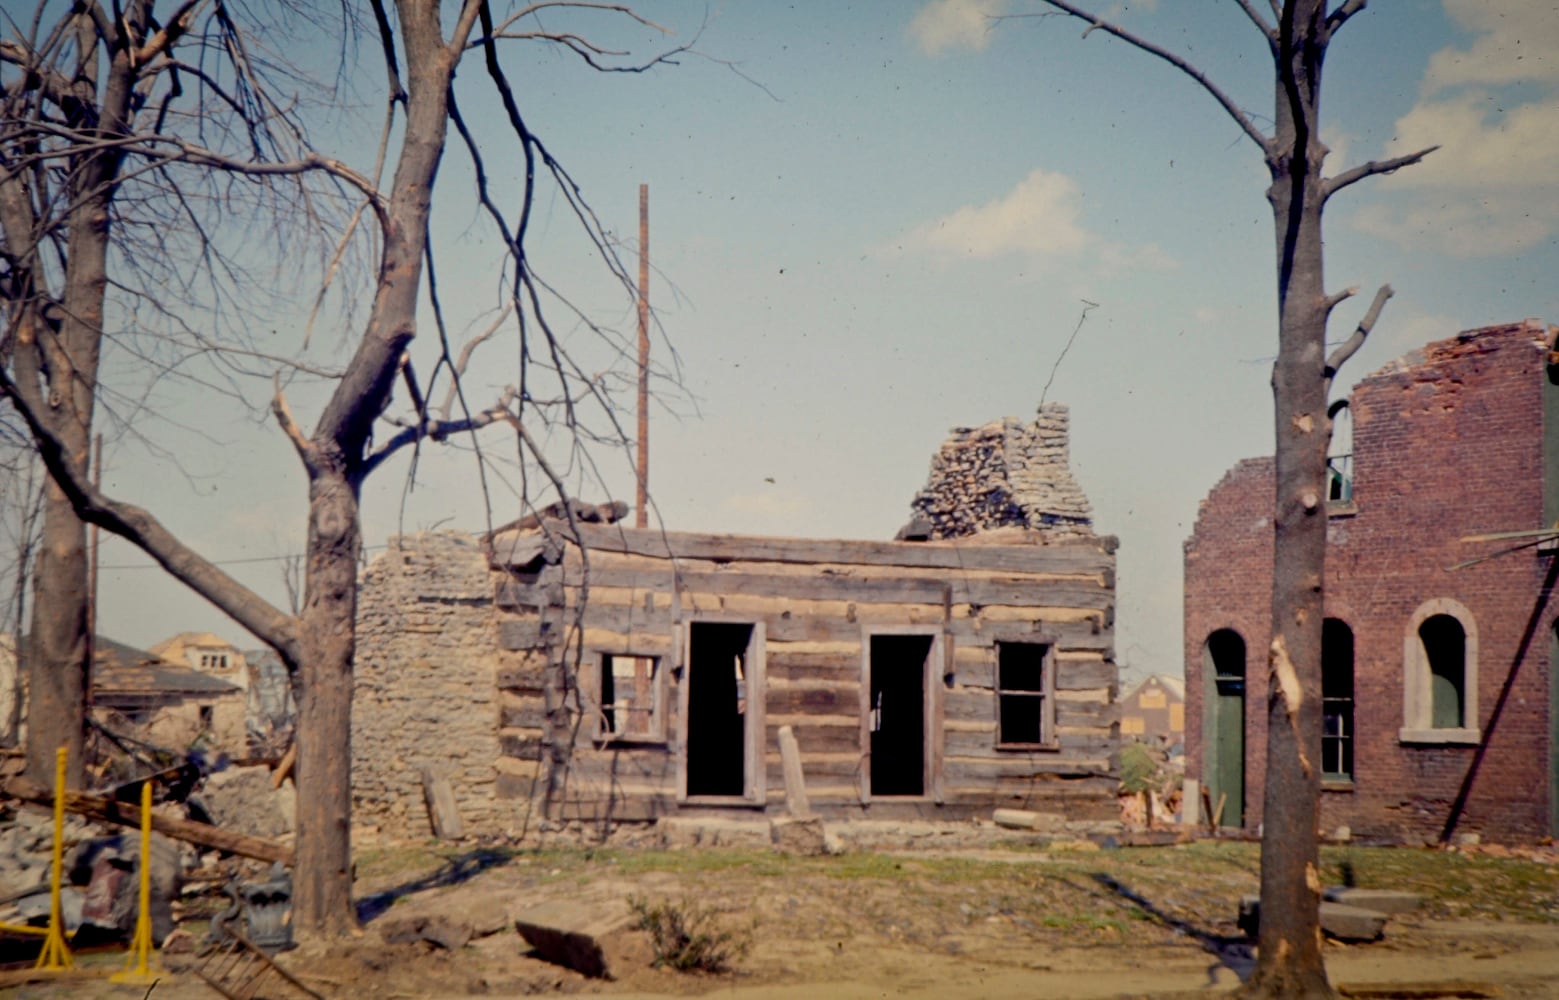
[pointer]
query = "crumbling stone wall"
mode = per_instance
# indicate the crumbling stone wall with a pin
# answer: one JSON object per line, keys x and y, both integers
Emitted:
{"x": 426, "y": 692}
{"x": 1006, "y": 474}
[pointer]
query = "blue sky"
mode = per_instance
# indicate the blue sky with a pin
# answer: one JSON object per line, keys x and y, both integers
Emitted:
{"x": 871, "y": 222}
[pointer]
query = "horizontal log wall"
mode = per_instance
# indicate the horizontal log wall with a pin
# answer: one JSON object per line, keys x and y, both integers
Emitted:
{"x": 816, "y": 599}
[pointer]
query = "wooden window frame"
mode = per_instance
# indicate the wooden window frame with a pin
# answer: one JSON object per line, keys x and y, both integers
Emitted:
{"x": 754, "y": 742}
{"x": 937, "y": 659}
{"x": 596, "y": 665}
{"x": 1046, "y": 695}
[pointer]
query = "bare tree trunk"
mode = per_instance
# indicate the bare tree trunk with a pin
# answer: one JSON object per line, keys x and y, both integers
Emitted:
{"x": 323, "y": 895}
{"x": 56, "y": 648}
{"x": 1289, "y": 962}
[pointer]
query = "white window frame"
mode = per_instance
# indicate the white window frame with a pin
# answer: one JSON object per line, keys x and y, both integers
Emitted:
{"x": 1418, "y": 681}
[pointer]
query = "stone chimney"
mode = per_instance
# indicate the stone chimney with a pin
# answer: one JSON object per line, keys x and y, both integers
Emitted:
{"x": 1006, "y": 474}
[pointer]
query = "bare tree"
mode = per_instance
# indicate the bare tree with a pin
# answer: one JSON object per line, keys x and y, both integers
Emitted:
{"x": 421, "y": 45}
{"x": 1296, "y": 35}
{"x": 126, "y": 134}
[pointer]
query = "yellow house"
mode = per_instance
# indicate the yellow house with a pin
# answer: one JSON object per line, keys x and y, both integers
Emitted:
{"x": 1154, "y": 710}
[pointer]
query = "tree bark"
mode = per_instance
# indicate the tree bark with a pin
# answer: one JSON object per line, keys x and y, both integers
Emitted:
{"x": 322, "y": 898}
{"x": 1289, "y": 962}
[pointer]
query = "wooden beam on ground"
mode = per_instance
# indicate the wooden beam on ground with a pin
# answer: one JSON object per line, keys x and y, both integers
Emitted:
{"x": 125, "y": 814}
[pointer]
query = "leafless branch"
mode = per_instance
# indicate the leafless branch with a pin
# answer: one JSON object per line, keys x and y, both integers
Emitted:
{"x": 1336, "y": 18}
{"x": 1234, "y": 111}
{"x": 1374, "y": 167}
{"x": 1260, "y": 22}
{"x": 148, "y": 534}
{"x": 1349, "y": 347}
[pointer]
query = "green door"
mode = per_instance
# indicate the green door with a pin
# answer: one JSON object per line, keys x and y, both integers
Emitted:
{"x": 1223, "y": 666}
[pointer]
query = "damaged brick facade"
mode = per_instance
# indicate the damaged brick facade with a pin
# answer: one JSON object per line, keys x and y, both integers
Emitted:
{"x": 1448, "y": 724}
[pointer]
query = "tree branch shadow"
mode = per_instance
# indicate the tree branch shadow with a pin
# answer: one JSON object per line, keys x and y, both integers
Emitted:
{"x": 459, "y": 869}
{"x": 1235, "y": 953}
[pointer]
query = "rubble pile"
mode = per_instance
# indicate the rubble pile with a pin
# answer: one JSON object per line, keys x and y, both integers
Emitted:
{"x": 1006, "y": 474}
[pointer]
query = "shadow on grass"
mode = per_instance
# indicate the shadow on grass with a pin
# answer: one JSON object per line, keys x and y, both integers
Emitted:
{"x": 456, "y": 870}
{"x": 1234, "y": 953}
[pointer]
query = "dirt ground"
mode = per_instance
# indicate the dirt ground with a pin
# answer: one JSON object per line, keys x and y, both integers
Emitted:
{"x": 1155, "y": 922}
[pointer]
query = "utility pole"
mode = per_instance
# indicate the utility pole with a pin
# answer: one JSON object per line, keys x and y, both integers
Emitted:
{"x": 641, "y": 516}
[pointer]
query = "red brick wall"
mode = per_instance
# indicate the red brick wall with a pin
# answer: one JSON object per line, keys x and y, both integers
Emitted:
{"x": 1448, "y": 442}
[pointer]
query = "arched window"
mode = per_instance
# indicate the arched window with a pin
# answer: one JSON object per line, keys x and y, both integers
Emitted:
{"x": 1336, "y": 701}
{"x": 1440, "y": 675}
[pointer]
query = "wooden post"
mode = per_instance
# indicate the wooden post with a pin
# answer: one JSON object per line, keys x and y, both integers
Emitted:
{"x": 641, "y": 517}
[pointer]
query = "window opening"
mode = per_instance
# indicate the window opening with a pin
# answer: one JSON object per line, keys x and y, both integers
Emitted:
{"x": 1023, "y": 689}
{"x": 208, "y": 717}
{"x": 630, "y": 698}
{"x": 1445, "y": 647}
{"x": 1336, "y": 699}
{"x": 1339, "y": 454}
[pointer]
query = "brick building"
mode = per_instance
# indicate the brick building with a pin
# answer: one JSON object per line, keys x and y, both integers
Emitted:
{"x": 1439, "y": 698}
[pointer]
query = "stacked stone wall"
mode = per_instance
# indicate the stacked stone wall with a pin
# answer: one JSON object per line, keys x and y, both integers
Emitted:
{"x": 1006, "y": 474}
{"x": 426, "y": 692}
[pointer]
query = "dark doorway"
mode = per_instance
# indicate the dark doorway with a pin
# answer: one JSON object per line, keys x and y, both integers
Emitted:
{"x": 1223, "y": 666}
{"x": 897, "y": 669}
{"x": 717, "y": 680}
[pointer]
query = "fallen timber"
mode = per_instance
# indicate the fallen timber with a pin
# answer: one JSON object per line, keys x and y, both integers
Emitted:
{"x": 108, "y": 810}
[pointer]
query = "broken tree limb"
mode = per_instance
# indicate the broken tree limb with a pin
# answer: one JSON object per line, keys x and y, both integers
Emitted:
{"x": 284, "y": 767}
{"x": 126, "y": 814}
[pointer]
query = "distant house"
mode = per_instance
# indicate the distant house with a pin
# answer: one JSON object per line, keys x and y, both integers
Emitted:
{"x": 1154, "y": 711}
{"x": 165, "y": 704}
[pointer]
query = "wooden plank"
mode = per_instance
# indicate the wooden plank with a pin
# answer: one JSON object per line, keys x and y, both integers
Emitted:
{"x": 795, "y": 783}
{"x": 962, "y": 771}
{"x": 521, "y": 711}
{"x": 792, "y": 701}
{"x": 931, "y": 591}
{"x": 530, "y": 590}
{"x": 126, "y": 814}
{"x": 1085, "y": 713}
{"x": 1083, "y": 556}
{"x": 821, "y": 739}
{"x": 521, "y": 743}
{"x": 443, "y": 813}
{"x": 786, "y": 666}
{"x": 969, "y": 704}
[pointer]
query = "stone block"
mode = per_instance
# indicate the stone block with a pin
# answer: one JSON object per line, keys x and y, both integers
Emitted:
{"x": 1388, "y": 901}
{"x": 1338, "y": 920}
{"x": 806, "y": 836}
{"x": 571, "y": 934}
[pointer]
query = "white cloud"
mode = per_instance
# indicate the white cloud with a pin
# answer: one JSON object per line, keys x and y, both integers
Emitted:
{"x": 1518, "y": 41}
{"x": 943, "y": 25}
{"x": 1040, "y": 218}
{"x": 1493, "y": 109}
{"x": 1042, "y": 215}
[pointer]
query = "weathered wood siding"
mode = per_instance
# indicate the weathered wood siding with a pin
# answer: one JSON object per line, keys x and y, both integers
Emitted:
{"x": 634, "y": 591}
